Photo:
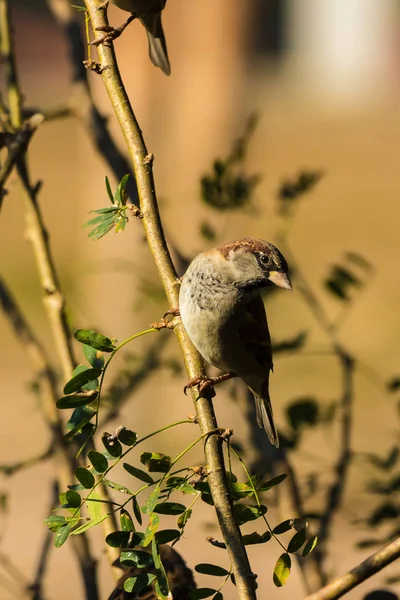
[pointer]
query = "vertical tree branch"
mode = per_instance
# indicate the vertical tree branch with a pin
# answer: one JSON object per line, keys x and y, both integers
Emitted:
{"x": 142, "y": 166}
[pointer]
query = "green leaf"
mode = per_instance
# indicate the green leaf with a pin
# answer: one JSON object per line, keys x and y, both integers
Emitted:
{"x": 124, "y": 539}
{"x": 167, "y": 535}
{"x": 136, "y": 510}
{"x": 126, "y": 521}
{"x": 117, "y": 487}
{"x": 85, "y": 477}
{"x": 55, "y": 522}
{"x": 240, "y": 490}
{"x": 282, "y": 569}
{"x": 267, "y": 485}
{"x": 73, "y": 498}
{"x": 94, "y": 339}
{"x": 102, "y": 230}
{"x": 151, "y": 501}
{"x": 76, "y": 400}
{"x": 127, "y": 437}
{"x": 61, "y": 535}
{"x": 77, "y": 382}
{"x": 184, "y": 517}
{"x": 120, "y": 194}
{"x": 109, "y": 191}
{"x": 218, "y": 596}
{"x": 297, "y": 541}
{"x": 309, "y": 547}
{"x": 99, "y": 461}
{"x": 169, "y": 508}
{"x": 135, "y": 584}
{"x": 156, "y": 462}
{"x": 256, "y": 538}
{"x": 94, "y": 357}
{"x": 136, "y": 558}
{"x": 111, "y": 444}
{"x": 151, "y": 529}
{"x": 201, "y": 593}
{"x": 283, "y": 527}
{"x": 161, "y": 584}
{"x": 104, "y": 219}
{"x": 244, "y": 513}
{"x": 90, "y": 412}
{"x": 89, "y": 525}
{"x": 208, "y": 569}
{"x": 138, "y": 473}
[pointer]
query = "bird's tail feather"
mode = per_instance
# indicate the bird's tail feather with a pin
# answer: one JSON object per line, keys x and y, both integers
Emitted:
{"x": 157, "y": 44}
{"x": 265, "y": 416}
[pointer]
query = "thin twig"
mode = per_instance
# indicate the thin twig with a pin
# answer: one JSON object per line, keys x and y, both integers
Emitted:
{"x": 369, "y": 567}
{"x": 142, "y": 165}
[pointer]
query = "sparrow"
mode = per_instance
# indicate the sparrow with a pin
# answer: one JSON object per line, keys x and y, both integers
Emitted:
{"x": 149, "y": 14}
{"x": 224, "y": 316}
{"x": 180, "y": 578}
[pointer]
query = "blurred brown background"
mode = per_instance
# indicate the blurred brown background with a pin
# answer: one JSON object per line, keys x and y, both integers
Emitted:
{"x": 324, "y": 78}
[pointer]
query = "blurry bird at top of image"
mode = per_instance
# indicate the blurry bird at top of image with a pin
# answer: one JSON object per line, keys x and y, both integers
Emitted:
{"x": 149, "y": 14}
{"x": 224, "y": 316}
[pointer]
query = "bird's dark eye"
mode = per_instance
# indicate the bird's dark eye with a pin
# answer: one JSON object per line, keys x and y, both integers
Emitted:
{"x": 265, "y": 260}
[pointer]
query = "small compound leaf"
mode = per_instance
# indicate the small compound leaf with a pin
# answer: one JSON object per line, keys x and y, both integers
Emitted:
{"x": 117, "y": 487}
{"x": 76, "y": 400}
{"x": 240, "y": 490}
{"x": 161, "y": 583}
{"x": 127, "y": 437}
{"x": 256, "y": 538}
{"x": 138, "y": 473}
{"x": 98, "y": 460}
{"x": 151, "y": 502}
{"x": 111, "y": 444}
{"x": 126, "y": 521}
{"x": 156, "y": 462}
{"x": 94, "y": 340}
{"x": 85, "y": 477}
{"x": 55, "y": 522}
{"x": 151, "y": 529}
{"x": 120, "y": 194}
{"x": 297, "y": 541}
{"x": 169, "y": 508}
{"x": 136, "y": 558}
{"x": 283, "y": 527}
{"x": 136, "y": 510}
{"x": 208, "y": 569}
{"x": 73, "y": 498}
{"x": 167, "y": 535}
{"x": 201, "y": 593}
{"x": 124, "y": 539}
{"x": 282, "y": 569}
{"x": 109, "y": 190}
{"x": 244, "y": 513}
{"x": 309, "y": 547}
{"x": 183, "y": 518}
{"x": 267, "y": 485}
{"x": 61, "y": 535}
{"x": 136, "y": 584}
{"x": 94, "y": 357}
{"x": 81, "y": 379}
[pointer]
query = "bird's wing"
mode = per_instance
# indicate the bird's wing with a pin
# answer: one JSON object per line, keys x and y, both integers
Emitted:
{"x": 254, "y": 333}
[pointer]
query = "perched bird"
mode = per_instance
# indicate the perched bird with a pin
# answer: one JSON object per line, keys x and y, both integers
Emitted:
{"x": 149, "y": 14}
{"x": 224, "y": 315}
{"x": 180, "y": 578}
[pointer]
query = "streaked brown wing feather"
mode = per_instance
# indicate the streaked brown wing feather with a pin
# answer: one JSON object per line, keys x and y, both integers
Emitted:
{"x": 254, "y": 333}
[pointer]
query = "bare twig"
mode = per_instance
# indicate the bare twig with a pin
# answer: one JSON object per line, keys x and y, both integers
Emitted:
{"x": 369, "y": 567}
{"x": 142, "y": 164}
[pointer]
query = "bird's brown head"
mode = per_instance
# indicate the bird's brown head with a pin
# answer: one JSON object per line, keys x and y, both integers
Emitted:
{"x": 256, "y": 263}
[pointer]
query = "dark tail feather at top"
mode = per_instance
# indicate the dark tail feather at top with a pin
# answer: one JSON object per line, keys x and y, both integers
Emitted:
{"x": 157, "y": 44}
{"x": 265, "y": 416}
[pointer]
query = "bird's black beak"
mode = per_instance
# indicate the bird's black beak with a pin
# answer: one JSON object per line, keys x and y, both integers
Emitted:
{"x": 280, "y": 279}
